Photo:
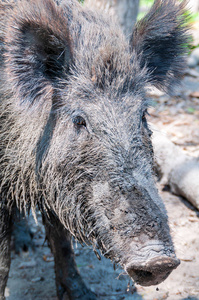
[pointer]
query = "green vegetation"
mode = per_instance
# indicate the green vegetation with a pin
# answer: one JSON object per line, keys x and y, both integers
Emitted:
{"x": 146, "y": 2}
{"x": 192, "y": 18}
{"x": 191, "y": 110}
{"x": 145, "y": 6}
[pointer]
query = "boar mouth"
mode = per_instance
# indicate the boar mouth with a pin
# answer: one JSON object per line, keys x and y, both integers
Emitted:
{"x": 154, "y": 271}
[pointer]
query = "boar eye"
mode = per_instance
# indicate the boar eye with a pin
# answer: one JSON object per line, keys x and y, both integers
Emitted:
{"x": 79, "y": 121}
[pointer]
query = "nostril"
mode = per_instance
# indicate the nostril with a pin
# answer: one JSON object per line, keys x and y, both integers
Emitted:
{"x": 143, "y": 274}
{"x": 142, "y": 277}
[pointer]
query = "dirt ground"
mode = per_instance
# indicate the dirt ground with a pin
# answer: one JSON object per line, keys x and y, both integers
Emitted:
{"x": 32, "y": 274}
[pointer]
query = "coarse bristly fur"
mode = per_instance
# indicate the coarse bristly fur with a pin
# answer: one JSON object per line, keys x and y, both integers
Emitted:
{"x": 73, "y": 135}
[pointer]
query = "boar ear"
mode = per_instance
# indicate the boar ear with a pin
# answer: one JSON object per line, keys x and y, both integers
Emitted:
{"x": 38, "y": 48}
{"x": 160, "y": 41}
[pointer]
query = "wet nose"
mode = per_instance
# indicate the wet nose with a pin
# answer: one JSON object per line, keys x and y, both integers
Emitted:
{"x": 152, "y": 272}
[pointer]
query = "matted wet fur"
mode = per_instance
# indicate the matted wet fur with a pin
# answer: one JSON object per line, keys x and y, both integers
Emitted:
{"x": 74, "y": 139}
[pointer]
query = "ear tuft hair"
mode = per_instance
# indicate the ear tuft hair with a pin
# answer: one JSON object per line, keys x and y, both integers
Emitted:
{"x": 38, "y": 48}
{"x": 160, "y": 40}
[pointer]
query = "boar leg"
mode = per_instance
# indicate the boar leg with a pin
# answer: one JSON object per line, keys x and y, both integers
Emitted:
{"x": 23, "y": 236}
{"x": 5, "y": 236}
{"x": 69, "y": 283}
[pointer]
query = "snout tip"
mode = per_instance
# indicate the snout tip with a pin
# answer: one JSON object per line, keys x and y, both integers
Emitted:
{"x": 152, "y": 272}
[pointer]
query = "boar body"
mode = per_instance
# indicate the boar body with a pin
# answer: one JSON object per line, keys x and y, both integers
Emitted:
{"x": 74, "y": 136}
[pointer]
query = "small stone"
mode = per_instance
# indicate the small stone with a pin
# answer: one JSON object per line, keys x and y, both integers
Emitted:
{"x": 192, "y": 62}
{"x": 28, "y": 264}
{"x": 7, "y": 292}
{"x": 48, "y": 258}
{"x": 77, "y": 252}
{"x": 192, "y": 73}
{"x": 195, "y": 55}
{"x": 37, "y": 279}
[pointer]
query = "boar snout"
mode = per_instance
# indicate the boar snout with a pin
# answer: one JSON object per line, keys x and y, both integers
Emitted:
{"x": 154, "y": 271}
